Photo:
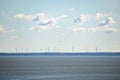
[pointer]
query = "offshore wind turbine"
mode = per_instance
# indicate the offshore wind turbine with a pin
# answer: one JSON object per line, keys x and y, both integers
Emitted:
{"x": 16, "y": 50}
{"x": 96, "y": 49}
{"x": 21, "y": 50}
{"x": 72, "y": 48}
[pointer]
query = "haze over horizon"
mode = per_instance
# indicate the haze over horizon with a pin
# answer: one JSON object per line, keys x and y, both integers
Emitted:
{"x": 37, "y": 25}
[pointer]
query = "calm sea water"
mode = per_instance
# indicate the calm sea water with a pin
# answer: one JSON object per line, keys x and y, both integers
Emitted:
{"x": 60, "y": 68}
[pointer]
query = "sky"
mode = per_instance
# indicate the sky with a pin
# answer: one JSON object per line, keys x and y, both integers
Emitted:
{"x": 59, "y": 25}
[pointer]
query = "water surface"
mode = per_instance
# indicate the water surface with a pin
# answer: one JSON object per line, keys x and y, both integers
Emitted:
{"x": 60, "y": 68}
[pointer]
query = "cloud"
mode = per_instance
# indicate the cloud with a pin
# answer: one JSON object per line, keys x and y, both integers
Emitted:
{"x": 78, "y": 29}
{"x": 89, "y": 29}
{"x": 92, "y": 29}
{"x": 49, "y": 21}
{"x": 105, "y": 29}
{"x": 110, "y": 29}
{"x": 38, "y": 16}
{"x": 2, "y": 29}
{"x": 102, "y": 15}
{"x": 83, "y": 18}
{"x": 30, "y": 17}
{"x": 91, "y": 17}
{"x": 25, "y": 17}
{"x": 41, "y": 28}
{"x": 108, "y": 21}
{"x": 43, "y": 21}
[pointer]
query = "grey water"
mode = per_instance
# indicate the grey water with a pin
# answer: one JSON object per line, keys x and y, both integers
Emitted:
{"x": 59, "y": 67}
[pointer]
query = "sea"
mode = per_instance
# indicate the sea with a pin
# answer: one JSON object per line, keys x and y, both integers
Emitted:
{"x": 59, "y": 66}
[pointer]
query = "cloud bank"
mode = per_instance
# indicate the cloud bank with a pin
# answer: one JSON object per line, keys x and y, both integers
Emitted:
{"x": 43, "y": 21}
{"x": 4, "y": 30}
{"x": 106, "y": 19}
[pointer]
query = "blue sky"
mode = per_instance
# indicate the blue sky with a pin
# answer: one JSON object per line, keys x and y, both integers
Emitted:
{"x": 41, "y": 25}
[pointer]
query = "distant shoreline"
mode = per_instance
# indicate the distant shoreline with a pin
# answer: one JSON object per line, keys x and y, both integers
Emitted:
{"x": 62, "y": 54}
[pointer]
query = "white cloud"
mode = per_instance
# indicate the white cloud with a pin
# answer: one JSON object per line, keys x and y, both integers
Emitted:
{"x": 111, "y": 20}
{"x": 89, "y": 29}
{"x": 30, "y": 17}
{"x": 110, "y": 29}
{"x": 102, "y": 15}
{"x": 92, "y": 29}
{"x": 83, "y": 18}
{"x": 41, "y": 28}
{"x": 2, "y": 29}
{"x": 43, "y": 21}
{"x": 108, "y": 21}
{"x": 105, "y": 29}
{"x": 49, "y": 21}
{"x": 78, "y": 29}
{"x": 25, "y": 17}
{"x": 38, "y": 16}
{"x": 98, "y": 15}
{"x": 91, "y": 17}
